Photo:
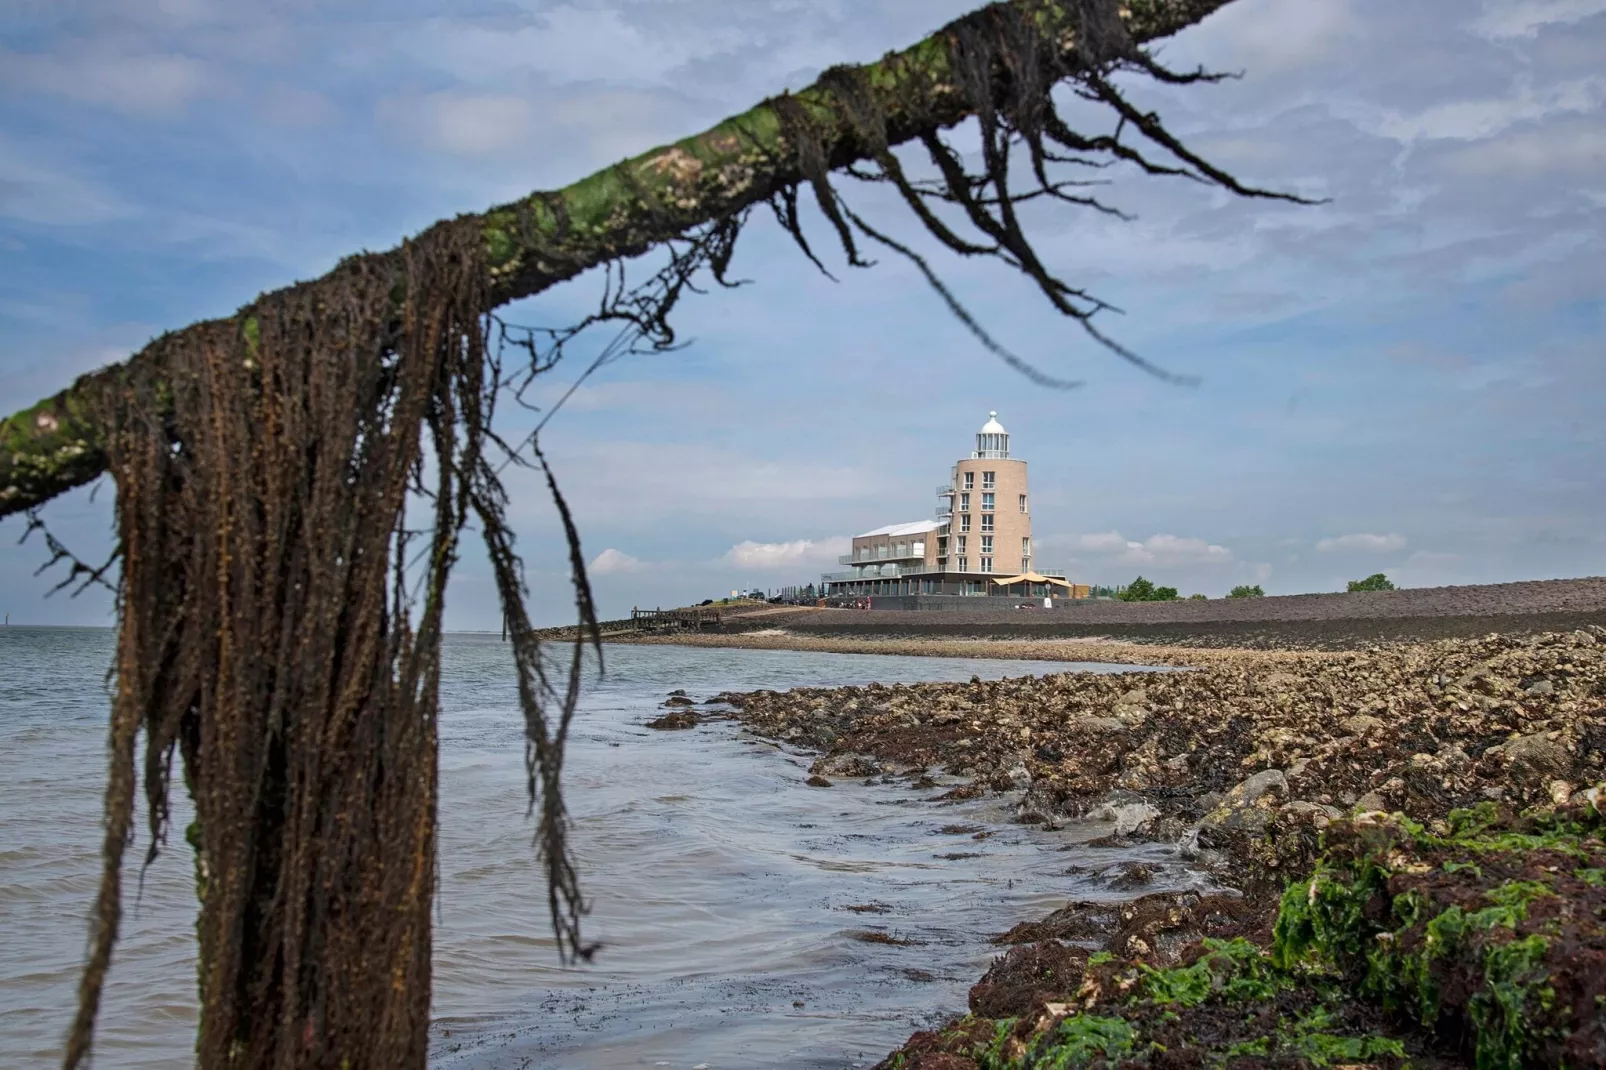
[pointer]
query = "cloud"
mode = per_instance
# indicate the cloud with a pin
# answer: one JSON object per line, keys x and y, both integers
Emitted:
{"x": 1156, "y": 549}
{"x": 1363, "y": 543}
{"x": 462, "y": 123}
{"x": 1525, "y": 18}
{"x": 613, "y": 562}
{"x": 1478, "y": 119}
{"x": 155, "y": 84}
{"x": 36, "y": 189}
{"x": 762, "y": 556}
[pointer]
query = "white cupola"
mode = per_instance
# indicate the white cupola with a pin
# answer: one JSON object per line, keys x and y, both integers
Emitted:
{"x": 992, "y": 441}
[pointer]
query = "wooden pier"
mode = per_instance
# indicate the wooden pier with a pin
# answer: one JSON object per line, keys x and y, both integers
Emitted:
{"x": 675, "y": 620}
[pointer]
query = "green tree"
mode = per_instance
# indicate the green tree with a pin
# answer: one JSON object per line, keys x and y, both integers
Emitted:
{"x": 1375, "y": 582}
{"x": 1142, "y": 590}
{"x": 1198, "y": 597}
{"x": 1244, "y": 590}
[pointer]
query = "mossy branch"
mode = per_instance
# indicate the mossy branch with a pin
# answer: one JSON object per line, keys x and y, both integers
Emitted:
{"x": 551, "y": 236}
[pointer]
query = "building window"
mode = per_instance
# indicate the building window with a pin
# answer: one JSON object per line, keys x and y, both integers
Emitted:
{"x": 1023, "y": 503}
{"x": 987, "y": 521}
{"x": 964, "y": 502}
{"x": 964, "y": 521}
{"x": 987, "y": 544}
{"x": 987, "y": 501}
{"x": 1025, "y": 564}
{"x": 961, "y": 548}
{"x": 962, "y": 567}
{"x": 988, "y": 480}
{"x": 970, "y": 480}
{"x": 1026, "y": 546}
{"x": 918, "y": 549}
{"x": 986, "y": 564}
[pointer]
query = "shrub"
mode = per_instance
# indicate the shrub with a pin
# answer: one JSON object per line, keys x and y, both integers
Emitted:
{"x": 1198, "y": 597}
{"x": 1375, "y": 582}
{"x": 1244, "y": 590}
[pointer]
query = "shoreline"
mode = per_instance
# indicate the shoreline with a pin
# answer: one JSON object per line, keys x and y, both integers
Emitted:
{"x": 1264, "y": 766}
{"x": 1050, "y": 650}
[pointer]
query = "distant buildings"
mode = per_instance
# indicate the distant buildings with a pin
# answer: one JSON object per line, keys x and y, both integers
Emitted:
{"x": 981, "y": 533}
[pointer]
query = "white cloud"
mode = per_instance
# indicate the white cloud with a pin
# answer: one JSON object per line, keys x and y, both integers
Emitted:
{"x": 1525, "y": 18}
{"x": 152, "y": 84}
{"x": 35, "y": 189}
{"x": 1156, "y": 549}
{"x": 464, "y": 124}
{"x": 1363, "y": 542}
{"x": 760, "y": 556}
{"x": 613, "y": 562}
{"x": 1475, "y": 120}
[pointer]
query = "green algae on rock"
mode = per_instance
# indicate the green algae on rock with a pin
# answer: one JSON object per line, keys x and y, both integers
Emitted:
{"x": 1228, "y": 1003}
{"x": 1403, "y": 948}
{"x": 1495, "y": 929}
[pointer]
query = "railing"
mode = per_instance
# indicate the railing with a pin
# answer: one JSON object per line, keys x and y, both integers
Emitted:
{"x": 946, "y": 492}
{"x": 943, "y": 512}
{"x": 878, "y": 559}
{"x": 886, "y": 572}
{"x": 695, "y": 619}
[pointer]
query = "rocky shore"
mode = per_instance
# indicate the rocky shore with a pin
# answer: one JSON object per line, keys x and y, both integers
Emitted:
{"x": 1428, "y": 809}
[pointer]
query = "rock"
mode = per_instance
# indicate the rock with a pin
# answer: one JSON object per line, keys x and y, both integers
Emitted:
{"x": 678, "y": 700}
{"x": 1250, "y": 791}
{"x": 1539, "y": 688}
{"x": 1247, "y": 806}
{"x": 1317, "y": 813}
{"x": 846, "y": 766}
{"x": 1130, "y": 715}
{"x": 1130, "y": 875}
{"x": 1083, "y": 722}
{"x": 1537, "y": 754}
{"x": 1371, "y": 802}
{"x": 817, "y": 782}
{"x": 1128, "y": 810}
{"x": 675, "y": 720}
{"x": 1361, "y": 724}
{"x": 1026, "y": 974}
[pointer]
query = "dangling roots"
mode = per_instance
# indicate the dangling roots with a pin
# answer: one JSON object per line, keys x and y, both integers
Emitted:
{"x": 1005, "y": 61}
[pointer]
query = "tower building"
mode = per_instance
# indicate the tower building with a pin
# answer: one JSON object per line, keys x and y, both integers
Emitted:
{"x": 980, "y": 533}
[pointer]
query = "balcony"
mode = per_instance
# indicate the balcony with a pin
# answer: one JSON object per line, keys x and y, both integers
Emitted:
{"x": 943, "y": 512}
{"x": 876, "y": 559}
{"x": 876, "y": 572}
{"x": 946, "y": 492}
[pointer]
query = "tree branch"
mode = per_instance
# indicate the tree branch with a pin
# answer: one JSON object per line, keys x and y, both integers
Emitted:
{"x": 548, "y": 237}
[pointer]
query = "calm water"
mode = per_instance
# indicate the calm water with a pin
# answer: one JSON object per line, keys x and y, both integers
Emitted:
{"x": 719, "y": 878}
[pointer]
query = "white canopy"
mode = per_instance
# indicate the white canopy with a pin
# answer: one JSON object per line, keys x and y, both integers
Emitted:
{"x": 919, "y": 527}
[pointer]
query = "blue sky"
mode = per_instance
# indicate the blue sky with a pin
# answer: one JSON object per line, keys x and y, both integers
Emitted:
{"x": 1407, "y": 379}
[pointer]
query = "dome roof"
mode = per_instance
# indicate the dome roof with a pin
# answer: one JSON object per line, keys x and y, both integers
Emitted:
{"x": 992, "y": 426}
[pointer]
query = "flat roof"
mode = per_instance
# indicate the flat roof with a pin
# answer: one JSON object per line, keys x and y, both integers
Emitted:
{"x": 919, "y": 527}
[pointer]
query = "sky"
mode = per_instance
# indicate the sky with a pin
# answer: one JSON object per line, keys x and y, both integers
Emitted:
{"x": 1407, "y": 378}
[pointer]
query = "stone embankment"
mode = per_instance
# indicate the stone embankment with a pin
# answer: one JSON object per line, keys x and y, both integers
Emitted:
{"x": 1471, "y": 935}
{"x": 1313, "y": 621}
